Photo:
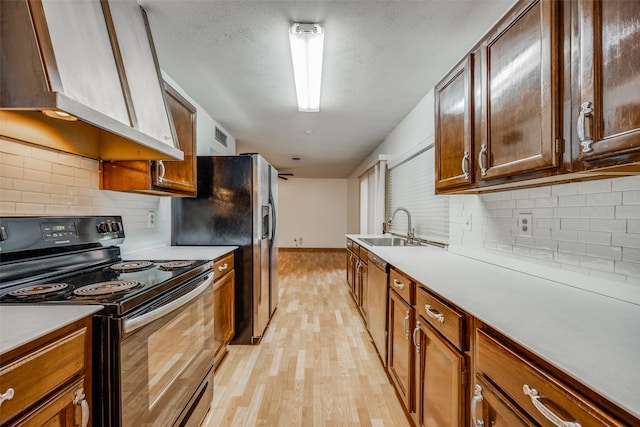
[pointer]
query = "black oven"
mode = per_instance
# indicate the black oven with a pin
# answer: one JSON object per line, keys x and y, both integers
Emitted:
{"x": 153, "y": 341}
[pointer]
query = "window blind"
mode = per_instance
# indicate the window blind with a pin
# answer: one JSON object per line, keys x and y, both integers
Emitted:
{"x": 411, "y": 186}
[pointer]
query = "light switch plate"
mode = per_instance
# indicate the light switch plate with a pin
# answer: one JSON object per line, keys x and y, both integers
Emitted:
{"x": 525, "y": 225}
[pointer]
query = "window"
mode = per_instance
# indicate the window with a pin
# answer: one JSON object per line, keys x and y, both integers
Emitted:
{"x": 411, "y": 186}
{"x": 372, "y": 198}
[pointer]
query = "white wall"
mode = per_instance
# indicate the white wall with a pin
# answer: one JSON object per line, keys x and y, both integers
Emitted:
{"x": 314, "y": 210}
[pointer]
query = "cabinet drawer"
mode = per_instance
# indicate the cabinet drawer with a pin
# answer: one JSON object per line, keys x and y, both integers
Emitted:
{"x": 402, "y": 285}
{"x": 448, "y": 321}
{"x": 222, "y": 266}
{"x": 364, "y": 254}
{"x": 35, "y": 375}
{"x": 349, "y": 244}
{"x": 514, "y": 375}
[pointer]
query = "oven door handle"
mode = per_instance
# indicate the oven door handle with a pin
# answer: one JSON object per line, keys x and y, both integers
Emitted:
{"x": 138, "y": 322}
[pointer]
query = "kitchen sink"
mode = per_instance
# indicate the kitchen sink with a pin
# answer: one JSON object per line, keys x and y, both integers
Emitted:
{"x": 385, "y": 241}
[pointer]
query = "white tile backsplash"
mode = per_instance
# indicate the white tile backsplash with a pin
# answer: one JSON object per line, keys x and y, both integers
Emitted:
{"x": 36, "y": 181}
{"x": 591, "y": 227}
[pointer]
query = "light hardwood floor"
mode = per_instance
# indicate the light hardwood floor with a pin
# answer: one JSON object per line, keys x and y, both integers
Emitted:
{"x": 316, "y": 365}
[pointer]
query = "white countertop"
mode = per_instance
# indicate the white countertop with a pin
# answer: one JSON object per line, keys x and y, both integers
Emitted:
{"x": 592, "y": 337}
{"x": 177, "y": 253}
{"x": 22, "y": 323}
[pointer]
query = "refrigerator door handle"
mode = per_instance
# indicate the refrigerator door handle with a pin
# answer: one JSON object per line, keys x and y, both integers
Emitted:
{"x": 272, "y": 215}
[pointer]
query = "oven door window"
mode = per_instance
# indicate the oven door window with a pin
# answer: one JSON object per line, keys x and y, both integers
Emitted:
{"x": 164, "y": 361}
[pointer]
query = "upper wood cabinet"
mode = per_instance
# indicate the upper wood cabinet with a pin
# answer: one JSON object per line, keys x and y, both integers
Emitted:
{"x": 172, "y": 178}
{"x": 91, "y": 59}
{"x": 453, "y": 128}
{"x": 606, "y": 111}
{"x": 519, "y": 94}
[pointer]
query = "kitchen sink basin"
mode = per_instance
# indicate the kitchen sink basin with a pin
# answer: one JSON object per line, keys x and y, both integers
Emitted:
{"x": 385, "y": 241}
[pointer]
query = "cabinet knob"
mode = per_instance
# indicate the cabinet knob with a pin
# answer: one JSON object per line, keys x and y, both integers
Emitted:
{"x": 416, "y": 342}
{"x": 223, "y": 267}
{"x": 406, "y": 325}
{"x": 7, "y": 395}
{"x": 397, "y": 284}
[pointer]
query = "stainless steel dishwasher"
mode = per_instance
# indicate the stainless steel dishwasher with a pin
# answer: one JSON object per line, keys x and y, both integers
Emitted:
{"x": 377, "y": 297}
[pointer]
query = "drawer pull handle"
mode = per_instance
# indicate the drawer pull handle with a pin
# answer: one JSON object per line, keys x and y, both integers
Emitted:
{"x": 434, "y": 313}
{"x": 7, "y": 395}
{"x": 84, "y": 407}
{"x": 416, "y": 344}
{"x": 548, "y": 413}
{"x": 397, "y": 284}
{"x": 477, "y": 398}
{"x": 405, "y": 324}
{"x": 223, "y": 267}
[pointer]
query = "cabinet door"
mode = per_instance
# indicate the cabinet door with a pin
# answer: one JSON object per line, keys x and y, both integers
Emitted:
{"x": 439, "y": 379}
{"x": 490, "y": 408}
{"x": 80, "y": 55}
{"x": 63, "y": 409}
{"x": 350, "y": 269}
{"x": 140, "y": 69}
{"x": 454, "y": 154}
{"x": 519, "y": 97}
{"x": 400, "y": 348}
{"x": 223, "y": 312}
{"x": 179, "y": 175}
{"x": 357, "y": 282}
{"x": 608, "y": 105}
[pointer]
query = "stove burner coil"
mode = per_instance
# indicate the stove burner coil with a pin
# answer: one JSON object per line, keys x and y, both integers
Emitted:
{"x": 129, "y": 266}
{"x": 174, "y": 265}
{"x": 45, "y": 288}
{"x": 106, "y": 288}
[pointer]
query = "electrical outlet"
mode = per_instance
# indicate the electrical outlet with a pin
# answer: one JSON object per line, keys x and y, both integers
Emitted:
{"x": 525, "y": 224}
{"x": 151, "y": 219}
{"x": 466, "y": 222}
{"x": 300, "y": 240}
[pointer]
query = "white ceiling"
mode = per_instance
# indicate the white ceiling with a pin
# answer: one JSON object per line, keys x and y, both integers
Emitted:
{"x": 380, "y": 59}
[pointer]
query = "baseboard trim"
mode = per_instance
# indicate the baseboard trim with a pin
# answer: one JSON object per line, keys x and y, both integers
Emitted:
{"x": 312, "y": 249}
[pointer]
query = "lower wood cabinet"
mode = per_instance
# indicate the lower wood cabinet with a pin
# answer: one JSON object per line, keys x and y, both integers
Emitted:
{"x": 439, "y": 379}
{"x": 530, "y": 389}
{"x": 490, "y": 408}
{"x": 400, "y": 348}
{"x": 49, "y": 380}
{"x": 223, "y": 306}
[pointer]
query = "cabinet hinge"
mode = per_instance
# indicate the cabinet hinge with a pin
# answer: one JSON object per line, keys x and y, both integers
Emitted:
{"x": 559, "y": 146}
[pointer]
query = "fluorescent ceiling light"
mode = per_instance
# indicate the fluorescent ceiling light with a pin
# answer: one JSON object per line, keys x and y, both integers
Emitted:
{"x": 307, "y": 44}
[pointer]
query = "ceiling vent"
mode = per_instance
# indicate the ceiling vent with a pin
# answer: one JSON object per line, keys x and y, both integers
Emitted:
{"x": 221, "y": 137}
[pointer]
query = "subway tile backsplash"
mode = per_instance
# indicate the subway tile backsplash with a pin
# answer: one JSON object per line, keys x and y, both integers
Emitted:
{"x": 38, "y": 182}
{"x": 591, "y": 227}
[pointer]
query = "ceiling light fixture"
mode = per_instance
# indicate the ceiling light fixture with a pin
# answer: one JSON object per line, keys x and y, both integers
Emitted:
{"x": 307, "y": 45}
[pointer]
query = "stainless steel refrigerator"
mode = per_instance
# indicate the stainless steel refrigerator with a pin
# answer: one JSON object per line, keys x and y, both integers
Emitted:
{"x": 237, "y": 205}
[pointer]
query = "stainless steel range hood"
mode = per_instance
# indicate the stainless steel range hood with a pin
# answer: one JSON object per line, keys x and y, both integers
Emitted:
{"x": 93, "y": 60}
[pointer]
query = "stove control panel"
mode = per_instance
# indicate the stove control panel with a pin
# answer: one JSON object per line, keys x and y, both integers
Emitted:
{"x": 20, "y": 234}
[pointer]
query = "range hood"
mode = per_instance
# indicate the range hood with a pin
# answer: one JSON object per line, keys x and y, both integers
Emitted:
{"x": 89, "y": 60}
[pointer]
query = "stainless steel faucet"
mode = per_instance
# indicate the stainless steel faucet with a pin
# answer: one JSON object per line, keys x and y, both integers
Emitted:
{"x": 410, "y": 231}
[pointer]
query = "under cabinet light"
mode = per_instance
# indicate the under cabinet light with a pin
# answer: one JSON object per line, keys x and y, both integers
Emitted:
{"x": 307, "y": 45}
{"x": 60, "y": 115}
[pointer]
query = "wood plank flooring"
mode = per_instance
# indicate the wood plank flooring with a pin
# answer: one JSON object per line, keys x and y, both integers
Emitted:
{"x": 315, "y": 366}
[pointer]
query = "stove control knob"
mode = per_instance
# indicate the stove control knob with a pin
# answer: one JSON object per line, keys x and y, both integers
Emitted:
{"x": 115, "y": 227}
{"x": 3, "y": 234}
{"x": 103, "y": 227}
